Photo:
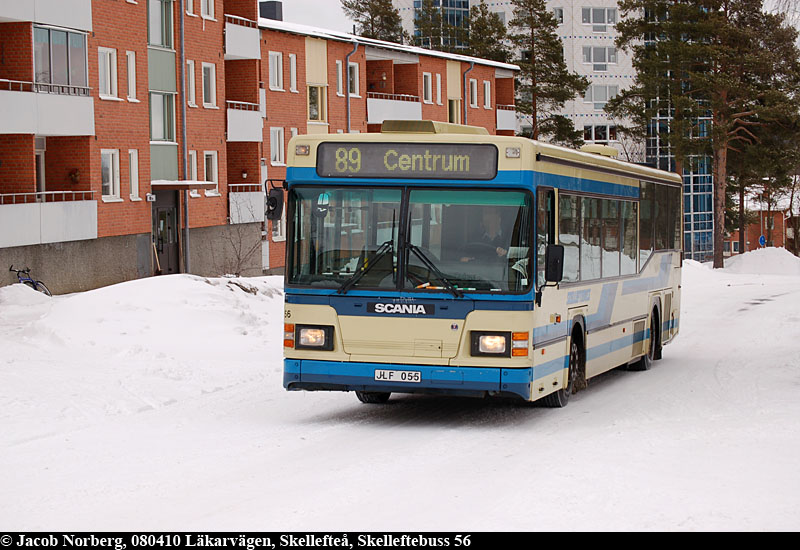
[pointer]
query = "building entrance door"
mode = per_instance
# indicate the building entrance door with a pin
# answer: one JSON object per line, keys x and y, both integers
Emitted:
{"x": 165, "y": 231}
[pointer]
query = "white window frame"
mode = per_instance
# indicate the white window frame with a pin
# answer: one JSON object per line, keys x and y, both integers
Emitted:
{"x": 276, "y": 71}
{"x": 192, "y": 169}
{"x": 190, "y": 8}
{"x": 114, "y": 195}
{"x": 133, "y": 174}
{"x": 487, "y": 94}
{"x": 277, "y": 146}
{"x": 473, "y": 93}
{"x": 131, "y": 58}
{"x": 427, "y": 88}
{"x": 339, "y": 78}
{"x": 293, "y": 73}
{"x": 191, "y": 86}
{"x": 107, "y": 57}
{"x": 353, "y": 73}
{"x": 611, "y": 91}
{"x": 213, "y": 86}
{"x": 207, "y": 9}
{"x": 438, "y": 89}
{"x": 279, "y": 226}
{"x": 168, "y": 120}
{"x": 215, "y": 172}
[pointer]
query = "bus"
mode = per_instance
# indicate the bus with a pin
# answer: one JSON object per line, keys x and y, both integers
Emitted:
{"x": 435, "y": 258}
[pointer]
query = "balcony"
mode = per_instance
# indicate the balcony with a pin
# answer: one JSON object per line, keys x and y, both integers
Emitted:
{"x": 48, "y": 217}
{"x": 382, "y": 107}
{"x": 507, "y": 117}
{"x": 72, "y": 14}
{"x": 242, "y": 38}
{"x": 45, "y": 109}
{"x": 246, "y": 203}
{"x": 245, "y": 122}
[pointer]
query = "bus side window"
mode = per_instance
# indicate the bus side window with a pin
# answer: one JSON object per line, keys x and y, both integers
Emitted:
{"x": 569, "y": 235}
{"x": 545, "y": 229}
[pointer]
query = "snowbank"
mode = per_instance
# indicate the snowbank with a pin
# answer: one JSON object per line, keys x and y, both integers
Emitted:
{"x": 764, "y": 261}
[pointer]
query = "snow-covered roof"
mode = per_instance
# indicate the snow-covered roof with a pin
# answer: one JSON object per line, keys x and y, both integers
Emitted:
{"x": 330, "y": 34}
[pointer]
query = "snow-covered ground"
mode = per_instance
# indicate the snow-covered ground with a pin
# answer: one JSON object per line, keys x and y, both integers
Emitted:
{"x": 158, "y": 404}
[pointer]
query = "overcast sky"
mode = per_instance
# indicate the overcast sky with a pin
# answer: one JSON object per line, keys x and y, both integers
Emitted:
{"x": 327, "y": 14}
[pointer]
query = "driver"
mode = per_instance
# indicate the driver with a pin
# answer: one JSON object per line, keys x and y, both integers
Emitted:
{"x": 493, "y": 234}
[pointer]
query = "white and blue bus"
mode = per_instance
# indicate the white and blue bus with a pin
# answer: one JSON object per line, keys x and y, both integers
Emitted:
{"x": 435, "y": 258}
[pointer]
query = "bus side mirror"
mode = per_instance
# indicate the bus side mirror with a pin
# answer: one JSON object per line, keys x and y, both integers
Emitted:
{"x": 274, "y": 204}
{"x": 554, "y": 263}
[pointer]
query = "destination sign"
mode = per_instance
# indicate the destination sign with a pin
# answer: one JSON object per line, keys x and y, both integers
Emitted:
{"x": 407, "y": 160}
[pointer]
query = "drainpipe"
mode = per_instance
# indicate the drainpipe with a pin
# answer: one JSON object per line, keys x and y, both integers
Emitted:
{"x": 184, "y": 146}
{"x": 466, "y": 90}
{"x": 347, "y": 72}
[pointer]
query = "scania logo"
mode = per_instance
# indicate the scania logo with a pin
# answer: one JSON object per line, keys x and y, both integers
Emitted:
{"x": 401, "y": 309}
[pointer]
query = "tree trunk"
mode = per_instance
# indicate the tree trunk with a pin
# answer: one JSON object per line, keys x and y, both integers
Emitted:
{"x": 720, "y": 174}
{"x": 742, "y": 227}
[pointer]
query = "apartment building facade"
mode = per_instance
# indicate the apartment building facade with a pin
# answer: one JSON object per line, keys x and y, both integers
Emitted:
{"x": 140, "y": 136}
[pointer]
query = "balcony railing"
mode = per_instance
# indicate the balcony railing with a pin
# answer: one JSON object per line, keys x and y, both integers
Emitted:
{"x": 236, "y": 20}
{"x": 243, "y": 106}
{"x": 506, "y": 107}
{"x": 61, "y": 89}
{"x": 245, "y": 188}
{"x": 394, "y": 97}
{"x": 46, "y": 196}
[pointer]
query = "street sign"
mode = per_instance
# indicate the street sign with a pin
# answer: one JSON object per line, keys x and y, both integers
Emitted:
{"x": 762, "y": 240}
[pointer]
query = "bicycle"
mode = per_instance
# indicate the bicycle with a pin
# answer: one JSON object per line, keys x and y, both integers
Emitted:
{"x": 24, "y": 277}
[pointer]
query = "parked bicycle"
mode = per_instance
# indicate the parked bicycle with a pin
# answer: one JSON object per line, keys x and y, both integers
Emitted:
{"x": 24, "y": 277}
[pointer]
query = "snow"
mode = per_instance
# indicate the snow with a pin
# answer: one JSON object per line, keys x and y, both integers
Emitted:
{"x": 158, "y": 404}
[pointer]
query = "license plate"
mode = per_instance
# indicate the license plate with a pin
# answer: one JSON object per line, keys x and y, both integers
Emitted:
{"x": 398, "y": 376}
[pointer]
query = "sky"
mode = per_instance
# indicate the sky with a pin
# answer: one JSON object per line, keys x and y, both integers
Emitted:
{"x": 326, "y": 14}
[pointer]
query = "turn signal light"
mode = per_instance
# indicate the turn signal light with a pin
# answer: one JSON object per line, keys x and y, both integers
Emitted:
{"x": 288, "y": 335}
{"x": 519, "y": 344}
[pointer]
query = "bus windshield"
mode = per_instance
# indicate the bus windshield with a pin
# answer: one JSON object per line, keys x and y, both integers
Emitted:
{"x": 455, "y": 239}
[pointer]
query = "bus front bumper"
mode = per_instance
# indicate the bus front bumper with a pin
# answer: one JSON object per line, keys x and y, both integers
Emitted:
{"x": 303, "y": 374}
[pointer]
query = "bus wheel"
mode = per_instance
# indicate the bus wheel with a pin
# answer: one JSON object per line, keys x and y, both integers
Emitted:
{"x": 654, "y": 347}
{"x": 373, "y": 397}
{"x": 560, "y": 398}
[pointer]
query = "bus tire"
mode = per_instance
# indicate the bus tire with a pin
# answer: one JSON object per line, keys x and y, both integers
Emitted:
{"x": 654, "y": 347}
{"x": 560, "y": 398}
{"x": 373, "y": 397}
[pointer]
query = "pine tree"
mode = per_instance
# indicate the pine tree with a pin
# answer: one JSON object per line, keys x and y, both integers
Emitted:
{"x": 377, "y": 19}
{"x": 544, "y": 83}
{"x": 488, "y": 35}
{"x": 726, "y": 60}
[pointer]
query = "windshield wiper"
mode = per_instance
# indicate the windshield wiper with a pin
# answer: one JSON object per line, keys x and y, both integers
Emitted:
{"x": 384, "y": 249}
{"x": 432, "y": 267}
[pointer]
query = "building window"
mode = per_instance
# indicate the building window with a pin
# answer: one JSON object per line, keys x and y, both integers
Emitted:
{"x": 316, "y": 103}
{"x": 162, "y": 117}
{"x": 190, "y": 85}
{"x": 192, "y": 168}
{"x": 438, "y": 89}
{"x": 209, "y": 85}
{"x": 160, "y": 23}
{"x": 131, "y": 56}
{"x": 473, "y": 92}
{"x": 207, "y": 9}
{"x": 59, "y": 57}
{"x": 339, "y": 81}
{"x": 276, "y": 71}
{"x": 210, "y": 167}
{"x": 599, "y": 95}
{"x": 292, "y": 72}
{"x": 107, "y": 71}
{"x": 600, "y": 134}
{"x": 427, "y": 88}
{"x": 109, "y": 173}
{"x": 353, "y": 74}
{"x": 736, "y": 247}
{"x": 487, "y": 94}
{"x": 279, "y": 226}
{"x": 599, "y": 18}
{"x": 599, "y": 57}
{"x": 133, "y": 160}
{"x": 276, "y": 146}
{"x": 558, "y": 13}
{"x": 190, "y": 7}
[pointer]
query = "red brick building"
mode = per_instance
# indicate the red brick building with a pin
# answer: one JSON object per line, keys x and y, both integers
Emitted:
{"x": 137, "y": 135}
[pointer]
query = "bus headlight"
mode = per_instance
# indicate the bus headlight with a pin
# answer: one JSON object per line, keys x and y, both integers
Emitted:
{"x": 314, "y": 337}
{"x": 491, "y": 343}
